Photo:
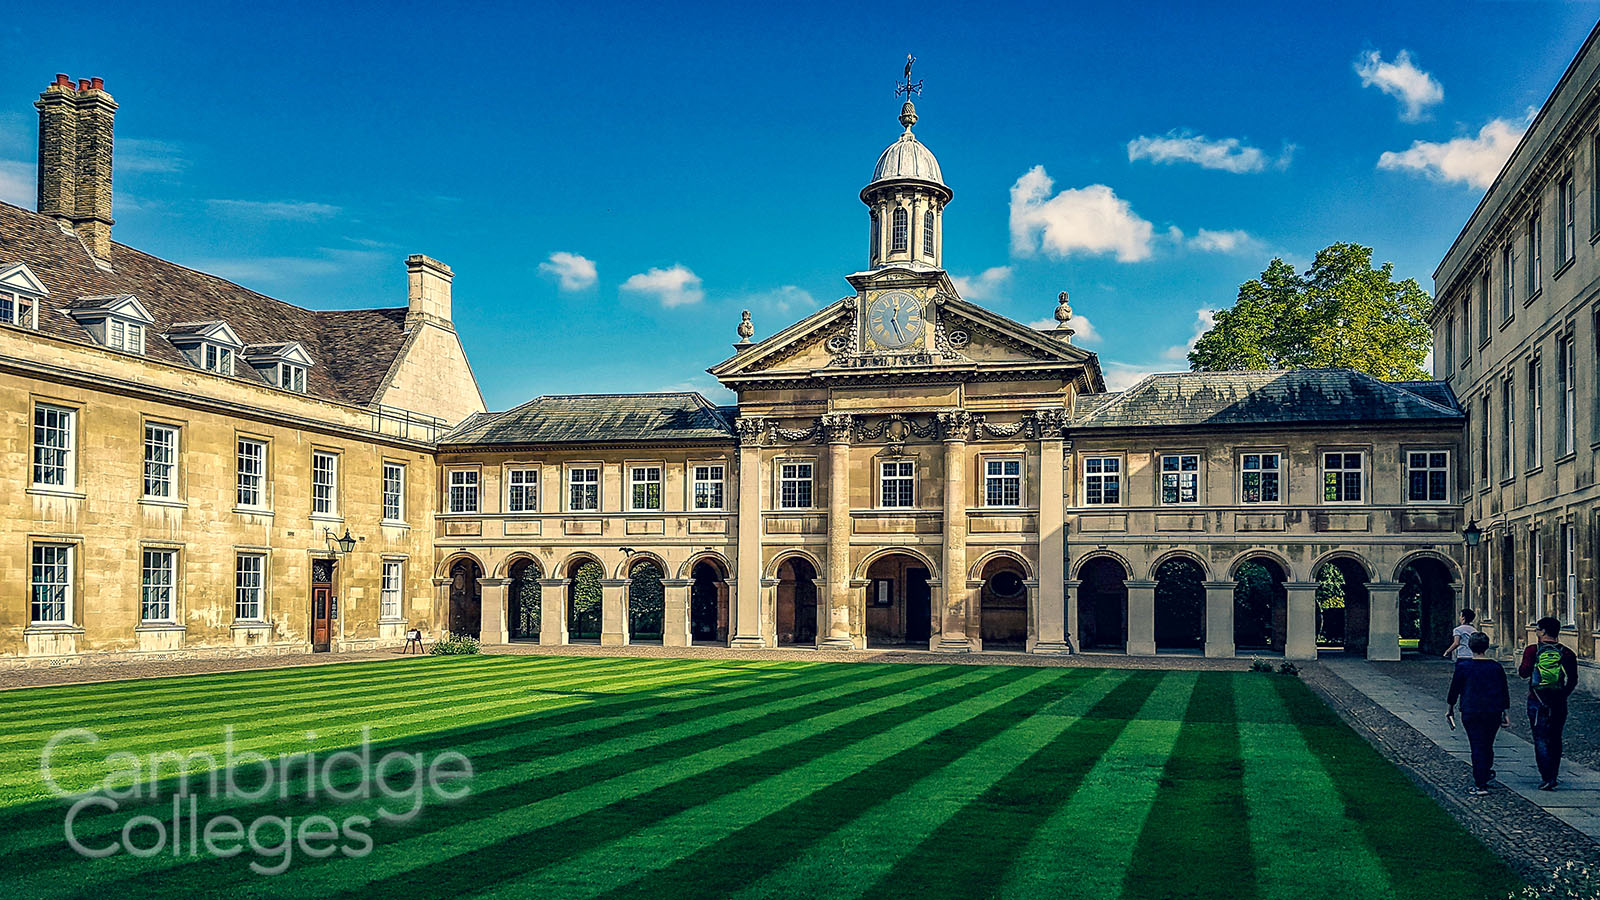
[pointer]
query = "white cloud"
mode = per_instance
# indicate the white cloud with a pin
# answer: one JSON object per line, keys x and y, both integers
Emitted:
{"x": 1092, "y": 220}
{"x": 784, "y": 299}
{"x": 1225, "y": 154}
{"x": 275, "y": 210}
{"x": 676, "y": 286}
{"x": 982, "y": 286}
{"x": 18, "y": 184}
{"x": 1083, "y": 329}
{"x": 1121, "y": 376}
{"x": 571, "y": 271}
{"x": 1474, "y": 161}
{"x": 1204, "y": 320}
{"x": 1415, "y": 89}
{"x": 1232, "y": 241}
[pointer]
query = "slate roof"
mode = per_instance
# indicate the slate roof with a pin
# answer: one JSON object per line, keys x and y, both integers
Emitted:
{"x": 600, "y": 419}
{"x": 1299, "y": 396}
{"x": 353, "y": 350}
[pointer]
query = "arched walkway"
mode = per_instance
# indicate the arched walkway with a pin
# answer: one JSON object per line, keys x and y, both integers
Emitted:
{"x": 708, "y": 603}
{"x": 797, "y": 602}
{"x": 466, "y": 598}
{"x": 1003, "y": 605}
{"x": 522, "y": 600}
{"x": 1427, "y": 604}
{"x": 646, "y": 602}
{"x": 899, "y": 608}
{"x": 1260, "y": 604}
{"x": 1102, "y": 605}
{"x": 1180, "y": 605}
{"x": 1343, "y": 605}
{"x": 584, "y": 595}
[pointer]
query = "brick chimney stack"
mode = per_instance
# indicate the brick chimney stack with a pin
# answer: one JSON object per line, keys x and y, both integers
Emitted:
{"x": 428, "y": 290}
{"x": 75, "y": 137}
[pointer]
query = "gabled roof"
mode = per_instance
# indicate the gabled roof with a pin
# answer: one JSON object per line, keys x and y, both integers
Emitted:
{"x": 291, "y": 352}
{"x": 19, "y": 278}
{"x": 354, "y": 349}
{"x": 190, "y": 332}
{"x": 125, "y": 305}
{"x": 600, "y": 419}
{"x": 1297, "y": 396}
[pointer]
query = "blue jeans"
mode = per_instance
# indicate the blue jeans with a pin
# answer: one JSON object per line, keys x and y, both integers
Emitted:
{"x": 1481, "y": 729}
{"x": 1547, "y": 718}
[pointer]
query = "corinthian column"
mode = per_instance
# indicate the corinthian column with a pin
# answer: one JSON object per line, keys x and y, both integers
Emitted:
{"x": 1052, "y": 614}
{"x": 836, "y": 427}
{"x": 746, "y": 624}
{"x": 953, "y": 427}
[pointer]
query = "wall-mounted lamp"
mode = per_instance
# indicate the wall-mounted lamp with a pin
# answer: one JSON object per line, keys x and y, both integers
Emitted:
{"x": 344, "y": 544}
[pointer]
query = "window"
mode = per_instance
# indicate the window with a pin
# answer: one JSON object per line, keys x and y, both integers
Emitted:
{"x": 17, "y": 309}
{"x": 1535, "y": 237}
{"x": 583, "y": 489}
{"x": 1180, "y": 478}
{"x": 708, "y": 482}
{"x": 1466, "y": 329}
{"x": 1483, "y": 307}
{"x": 1341, "y": 477}
{"x": 877, "y": 236}
{"x": 160, "y": 461}
{"x": 389, "y": 598}
{"x": 1535, "y": 412}
{"x": 292, "y": 377}
{"x": 52, "y": 583}
{"x": 1102, "y": 480}
{"x": 128, "y": 336}
{"x": 1566, "y": 225}
{"x": 1508, "y": 282}
{"x": 1594, "y": 363}
{"x": 155, "y": 589}
{"x": 1569, "y": 571}
{"x": 794, "y": 485}
{"x": 522, "y": 490}
{"x": 897, "y": 234}
{"x": 217, "y": 359}
{"x": 1449, "y": 343}
{"x": 1484, "y": 475}
{"x": 927, "y": 232}
{"x": 1428, "y": 473}
{"x": 53, "y": 460}
{"x": 1002, "y": 482}
{"x": 1566, "y": 379}
{"x": 252, "y": 466}
{"x": 1536, "y": 573}
{"x": 1508, "y": 429}
{"x": 394, "y": 492}
{"x": 1259, "y": 477}
{"x": 463, "y": 493}
{"x": 248, "y": 572}
{"x": 644, "y": 487}
{"x": 1594, "y": 187}
{"x": 896, "y": 480}
{"x": 324, "y": 483}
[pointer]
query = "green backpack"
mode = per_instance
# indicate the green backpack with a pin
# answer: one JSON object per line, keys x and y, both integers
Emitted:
{"x": 1548, "y": 672}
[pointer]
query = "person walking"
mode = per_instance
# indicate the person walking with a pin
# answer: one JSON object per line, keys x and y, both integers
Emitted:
{"x": 1552, "y": 672}
{"x": 1480, "y": 685}
{"x": 1458, "y": 650}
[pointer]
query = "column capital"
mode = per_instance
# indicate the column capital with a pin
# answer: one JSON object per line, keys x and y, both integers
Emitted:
{"x": 751, "y": 430}
{"x": 1300, "y": 585}
{"x": 493, "y": 582}
{"x": 1384, "y": 586}
{"x": 553, "y": 582}
{"x": 1047, "y": 423}
{"x": 1219, "y": 585}
{"x": 440, "y": 582}
{"x": 953, "y": 424}
{"x": 1144, "y": 583}
{"x": 614, "y": 582}
{"x": 676, "y": 582}
{"x": 836, "y": 427}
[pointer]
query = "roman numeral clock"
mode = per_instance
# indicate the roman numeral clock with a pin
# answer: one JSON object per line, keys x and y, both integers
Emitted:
{"x": 895, "y": 321}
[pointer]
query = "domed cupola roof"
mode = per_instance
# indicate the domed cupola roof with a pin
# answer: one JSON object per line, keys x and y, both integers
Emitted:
{"x": 907, "y": 159}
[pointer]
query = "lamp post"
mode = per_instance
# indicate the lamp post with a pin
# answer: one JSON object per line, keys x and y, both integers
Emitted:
{"x": 1472, "y": 534}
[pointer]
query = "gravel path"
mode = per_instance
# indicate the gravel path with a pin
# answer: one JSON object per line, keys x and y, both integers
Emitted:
{"x": 91, "y": 671}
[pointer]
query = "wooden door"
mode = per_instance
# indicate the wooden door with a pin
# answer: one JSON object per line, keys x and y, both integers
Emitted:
{"x": 322, "y": 611}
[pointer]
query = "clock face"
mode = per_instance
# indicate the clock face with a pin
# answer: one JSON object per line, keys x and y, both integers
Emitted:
{"x": 894, "y": 319}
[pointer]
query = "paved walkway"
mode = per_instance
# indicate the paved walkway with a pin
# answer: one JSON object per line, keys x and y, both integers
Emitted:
{"x": 1576, "y": 801}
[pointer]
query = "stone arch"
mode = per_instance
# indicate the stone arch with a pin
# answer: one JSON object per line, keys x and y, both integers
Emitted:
{"x": 524, "y": 596}
{"x": 1441, "y": 558}
{"x": 687, "y": 569}
{"x": 644, "y": 604}
{"x": 465, "y": 574}
{"x": 585, "y": 619}
{"x": 976, "y": 572}
{"x": 451, "y": 560}
{"x": 913, "y": 552}
{"x": 797, "y": 613}
{"x": 1351, "y": 555}
{"x": 573, "y": 561}
{"x": 1259, "y": 553}
{"x": 638, "y": 556}
{"x": 1092, "y": 555}
{"x": 1170, "y": 555}
{"x": 789, "y": 553}
{"x": 898, "y": 598}
{"x": 517, "y": 556}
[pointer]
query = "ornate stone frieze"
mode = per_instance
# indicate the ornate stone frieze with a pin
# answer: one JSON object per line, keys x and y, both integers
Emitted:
{"x": 836, "y": 427}
{"x": 751, "y": 430}
{"x": 954, "y": 424}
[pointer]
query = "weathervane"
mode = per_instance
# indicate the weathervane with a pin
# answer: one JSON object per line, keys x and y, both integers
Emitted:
{"x": 909, "y": 87}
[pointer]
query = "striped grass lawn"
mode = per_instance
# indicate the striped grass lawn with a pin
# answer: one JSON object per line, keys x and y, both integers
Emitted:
{"x": 654, "y": 778}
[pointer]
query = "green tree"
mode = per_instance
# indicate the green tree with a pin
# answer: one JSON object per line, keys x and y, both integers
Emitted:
{"x": 586, "y": 593}
{"x": 646, "y": 599}
{"x": 1330, "y": 587}
{"x": 1339, "y": 313}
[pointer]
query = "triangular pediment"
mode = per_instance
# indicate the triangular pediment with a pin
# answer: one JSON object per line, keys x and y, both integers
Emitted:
{"x": 21, "y": 279}
{"x": 102, "y": 305}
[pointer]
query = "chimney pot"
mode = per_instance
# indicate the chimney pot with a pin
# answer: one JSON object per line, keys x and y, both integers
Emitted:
{"x": 98, "y": 84}
{"x": 83, "y": 84}
{"x": 62, "y": 79}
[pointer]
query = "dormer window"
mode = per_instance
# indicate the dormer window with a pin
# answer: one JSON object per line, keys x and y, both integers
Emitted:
{"x": 20, "y": 292}
{"x": 115, "y": 321}
{"x": 280, "y": 365}
{"x": 218, "y": 359}
{"x": 292, "y": 377}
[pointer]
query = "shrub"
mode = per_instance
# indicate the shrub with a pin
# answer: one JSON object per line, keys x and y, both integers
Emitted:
{"x": 1289, "y": 668}
{"x": 455, "y": 645}
{"x": 1569, "y": 882}
{"x": 1257, "y": 664}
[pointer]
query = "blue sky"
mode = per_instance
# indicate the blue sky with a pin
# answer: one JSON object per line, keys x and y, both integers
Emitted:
{"x": 613, "y": 184}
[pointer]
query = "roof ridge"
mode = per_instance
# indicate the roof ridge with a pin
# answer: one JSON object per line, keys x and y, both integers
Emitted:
{"x": 1390, "y": 385}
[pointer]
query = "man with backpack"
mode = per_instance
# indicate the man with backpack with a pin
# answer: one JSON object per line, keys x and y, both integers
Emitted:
{"x": 1552, "y": 672}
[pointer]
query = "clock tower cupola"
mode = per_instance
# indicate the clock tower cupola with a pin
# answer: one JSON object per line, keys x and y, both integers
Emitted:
{"x": 906, "y": 197}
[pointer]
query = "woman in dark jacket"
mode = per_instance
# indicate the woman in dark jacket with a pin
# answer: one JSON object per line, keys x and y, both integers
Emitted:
{"x": 1480, "y": 685}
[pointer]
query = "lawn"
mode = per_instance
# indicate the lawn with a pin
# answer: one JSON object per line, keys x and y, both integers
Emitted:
{"x": 655, "y": 778}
